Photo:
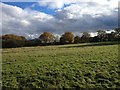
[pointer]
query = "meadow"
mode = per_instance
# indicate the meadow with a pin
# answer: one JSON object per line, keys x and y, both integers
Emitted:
{"x": 63, "y": 66}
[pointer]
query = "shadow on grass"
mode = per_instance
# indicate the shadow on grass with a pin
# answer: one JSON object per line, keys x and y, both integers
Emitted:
{"x": 93, "y": 44}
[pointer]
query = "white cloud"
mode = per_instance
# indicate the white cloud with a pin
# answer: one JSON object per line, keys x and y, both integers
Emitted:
{"x": 94, "y": 8}
{"x": 56, "y": 4}
{"x": 18, "y": 21}
{"x": 109, "y": 31}
{"x": 25, "y": 23}
{"x": 92, "y": 34}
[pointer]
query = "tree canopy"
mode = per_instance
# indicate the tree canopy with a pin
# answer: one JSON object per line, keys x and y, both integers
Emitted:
{"x": 47, "y": 37}
{"x": 85, "y": 37}
{"x": 67, "y": 37}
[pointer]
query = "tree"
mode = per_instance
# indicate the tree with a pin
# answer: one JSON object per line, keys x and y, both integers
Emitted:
{"x": 94, "y": 39}
{"x": 102, "y": 35}
{"x": 67, "y": 37}
{"x": 11, "y": 41}
{"x": 117, "y": 34}
{"x": 85, "y": 37}
{"x": 47, "y": 37}
{"x": 12, "y": 36}
{"x": 77, "y": 39}
{"x": 111, "y": 36}
{"x": 33, "y": 42}
{"x": 117, "y": 30}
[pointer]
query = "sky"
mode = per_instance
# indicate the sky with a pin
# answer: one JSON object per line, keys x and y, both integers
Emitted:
{"x": 30, "y": 19}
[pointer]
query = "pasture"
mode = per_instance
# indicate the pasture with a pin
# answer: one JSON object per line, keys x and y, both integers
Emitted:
{"x": 63, "y": 66}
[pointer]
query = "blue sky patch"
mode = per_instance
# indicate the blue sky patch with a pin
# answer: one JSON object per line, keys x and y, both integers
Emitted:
{"x": 33, "y": 6}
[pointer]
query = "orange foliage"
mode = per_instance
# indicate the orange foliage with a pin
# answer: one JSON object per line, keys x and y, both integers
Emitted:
{"x": 12, "y": 36}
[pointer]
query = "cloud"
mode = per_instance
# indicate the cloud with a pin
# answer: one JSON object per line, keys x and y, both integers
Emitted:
{"x": 18, "y": 21}
{"x": 77, "y": 16}
{"x": 56, "y": 4}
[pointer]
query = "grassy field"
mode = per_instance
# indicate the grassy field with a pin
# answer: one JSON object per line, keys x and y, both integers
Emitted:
{"x": 63, "y": 66}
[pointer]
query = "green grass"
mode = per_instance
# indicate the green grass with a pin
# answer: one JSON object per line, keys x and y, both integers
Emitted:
{"x": 63, "y": 66}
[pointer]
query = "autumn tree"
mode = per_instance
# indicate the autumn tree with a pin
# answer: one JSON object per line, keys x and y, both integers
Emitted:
{"x": 77, "y": 39}
{"x": 67, "y": 37}
{"x": 12, "y": 36}
{"x": 47, "y": 37}
{"x": 11, "y": 41}
{"x": 85, "y": 37}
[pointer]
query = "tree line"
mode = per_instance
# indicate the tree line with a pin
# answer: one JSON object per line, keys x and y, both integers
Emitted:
{"x": 48, "y": 38}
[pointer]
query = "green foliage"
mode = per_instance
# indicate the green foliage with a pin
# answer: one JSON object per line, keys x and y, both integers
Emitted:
{"x": 85, "y": 37}
{"x": 12, "y": 41}
{"x": 60, "y": 67}
{"x": 77, "y": 39}
{"x": 101, "y": 35}
{"x": 117, "y": 34}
